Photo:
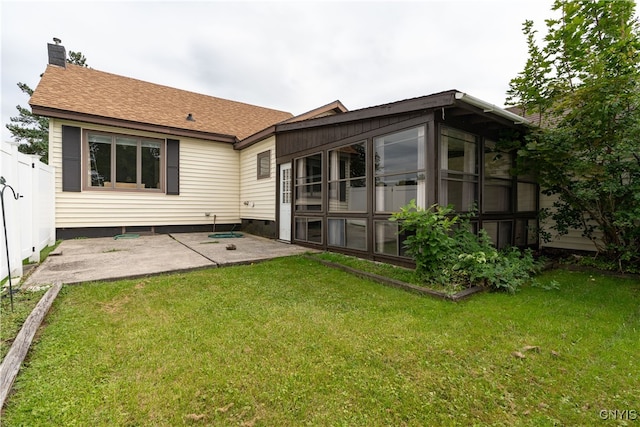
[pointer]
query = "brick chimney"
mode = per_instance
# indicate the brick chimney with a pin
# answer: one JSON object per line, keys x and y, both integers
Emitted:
{"x": 57, "y": 53}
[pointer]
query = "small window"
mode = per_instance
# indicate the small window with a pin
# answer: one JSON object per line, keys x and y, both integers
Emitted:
{"x": 348, "y": 233}
{"x": 389, "y": 240}
{"x": 526, "y": 232}
{"x": 500, "y": 232}
{"x": 264, "y": 164}
{"x": 308, "y": 229}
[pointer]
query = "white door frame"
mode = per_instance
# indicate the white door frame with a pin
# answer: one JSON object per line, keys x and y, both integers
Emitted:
{"x": 286, "y": 195}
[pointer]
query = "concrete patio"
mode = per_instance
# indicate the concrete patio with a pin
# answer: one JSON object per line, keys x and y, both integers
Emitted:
{"x": 84, "y": 260}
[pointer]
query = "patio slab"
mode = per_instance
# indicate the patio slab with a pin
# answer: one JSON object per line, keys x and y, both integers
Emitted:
{"x": 248, "y": 248}
{"x": 85, "y": 260}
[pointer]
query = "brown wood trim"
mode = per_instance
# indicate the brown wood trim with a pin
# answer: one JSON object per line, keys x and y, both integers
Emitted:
{"x": 394, "y": 127}
{"x": 336, "y": 106}
{"x": 148, "y": 127}
{"x": 255, "y": 138}
{"x": 444, "y": 99}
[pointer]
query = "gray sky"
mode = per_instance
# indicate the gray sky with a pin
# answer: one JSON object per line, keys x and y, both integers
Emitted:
{"x": 291, "y": 56}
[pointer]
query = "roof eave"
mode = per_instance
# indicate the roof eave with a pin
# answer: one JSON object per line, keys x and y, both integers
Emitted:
{"x": 493, "y": 109}
{"x": 255, "y": 138}
{"x": 443, "y": 99}
{"x": 336, "y": 106}
{"x": 148, "y": 127}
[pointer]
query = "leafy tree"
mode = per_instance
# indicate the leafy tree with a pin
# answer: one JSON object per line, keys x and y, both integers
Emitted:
{"x": 32, "y": 131}
{"x": 583, "y": 84}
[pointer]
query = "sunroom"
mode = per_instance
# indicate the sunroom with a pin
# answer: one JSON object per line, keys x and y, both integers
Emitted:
{"x": 342, "y": 177}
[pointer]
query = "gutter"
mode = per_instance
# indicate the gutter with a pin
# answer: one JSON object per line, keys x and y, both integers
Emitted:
{"x": 491, "y": 108}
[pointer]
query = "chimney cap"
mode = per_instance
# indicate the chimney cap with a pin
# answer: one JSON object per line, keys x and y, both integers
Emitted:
{"x": 57, "y": 40}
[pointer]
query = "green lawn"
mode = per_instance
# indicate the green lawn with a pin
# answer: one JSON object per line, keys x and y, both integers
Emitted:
{"x": 290, "y": 342}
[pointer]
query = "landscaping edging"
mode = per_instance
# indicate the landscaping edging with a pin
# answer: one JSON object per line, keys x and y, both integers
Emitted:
{"x": 14, "y": 358}
{"x": 399, "y": 284}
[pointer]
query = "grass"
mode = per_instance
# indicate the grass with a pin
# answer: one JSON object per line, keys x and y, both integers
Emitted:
{"x": 23, "y": 304}
{"x": 11, "y": 321}
{"x": 44, "y": 252}
{"x": 402, "y": 274}
{"x": 386, "y": 270}
{"x": 291, "y": 342}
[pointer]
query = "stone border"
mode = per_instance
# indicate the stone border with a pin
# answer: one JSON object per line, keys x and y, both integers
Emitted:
{"x": 399, "y": 284}
{"x": 18, "y": 351}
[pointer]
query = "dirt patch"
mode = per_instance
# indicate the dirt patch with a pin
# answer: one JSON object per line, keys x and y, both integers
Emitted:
{"x": 115, "y": 306}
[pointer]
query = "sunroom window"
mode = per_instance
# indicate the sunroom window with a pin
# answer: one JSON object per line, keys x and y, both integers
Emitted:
{"x": 527, "y": 194}
{"x": 400, "y": 169}
{"x": 500, "y": 232}
{"x": 348, "y": 179}
{"x": 459, "y": 169}
{"x": 498, "y": 182}
{"x": 308, "y": 229}
{"x": 124, "y": 162}
{"x": 308, "y": 183}
{"x": 348, "y": 233}
{"x": 389, "y": 240}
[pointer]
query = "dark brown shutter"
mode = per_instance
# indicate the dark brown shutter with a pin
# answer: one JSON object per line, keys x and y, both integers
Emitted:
{"x": 173, "y": 166}
{"x": 71, "y": 159}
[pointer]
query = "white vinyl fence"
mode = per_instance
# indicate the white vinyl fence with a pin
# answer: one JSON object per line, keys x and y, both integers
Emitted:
{"x": 30, "y": 220}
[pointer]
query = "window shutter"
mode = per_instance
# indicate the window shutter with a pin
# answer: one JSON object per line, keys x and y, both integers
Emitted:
{"x": 173, "y": 166}
{"x": 71, "y": 159}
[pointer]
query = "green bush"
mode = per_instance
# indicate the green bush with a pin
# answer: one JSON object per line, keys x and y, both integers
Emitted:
{"x": 447, "y": 251}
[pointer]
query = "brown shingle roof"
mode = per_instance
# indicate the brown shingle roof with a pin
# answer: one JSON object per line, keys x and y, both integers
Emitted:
{"x": 86, "y": 91}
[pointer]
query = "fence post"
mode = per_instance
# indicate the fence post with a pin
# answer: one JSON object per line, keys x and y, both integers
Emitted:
{"x": 10, "y": 172}
{"x": 36, "y": 210}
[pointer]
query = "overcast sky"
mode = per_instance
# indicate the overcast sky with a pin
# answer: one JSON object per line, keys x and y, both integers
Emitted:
{"x": 291, "y": 56}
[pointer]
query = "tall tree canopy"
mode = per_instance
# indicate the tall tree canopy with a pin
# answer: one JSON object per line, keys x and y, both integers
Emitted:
{"x": 30, "y": 130}
{"x": 583, "y": 83}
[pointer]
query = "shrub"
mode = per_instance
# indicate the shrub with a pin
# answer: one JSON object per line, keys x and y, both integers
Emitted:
{"x": 429, "y": 240}
{"x": 447, "y": 252}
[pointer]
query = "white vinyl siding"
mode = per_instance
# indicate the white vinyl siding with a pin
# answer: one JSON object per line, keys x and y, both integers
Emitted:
{"x": 572, "y": 240}
{"x": 209, "y": 173}
{"x": 259, "y": 194}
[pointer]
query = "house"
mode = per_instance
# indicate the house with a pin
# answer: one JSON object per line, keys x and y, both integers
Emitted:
{"x": 135, "y": 156}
